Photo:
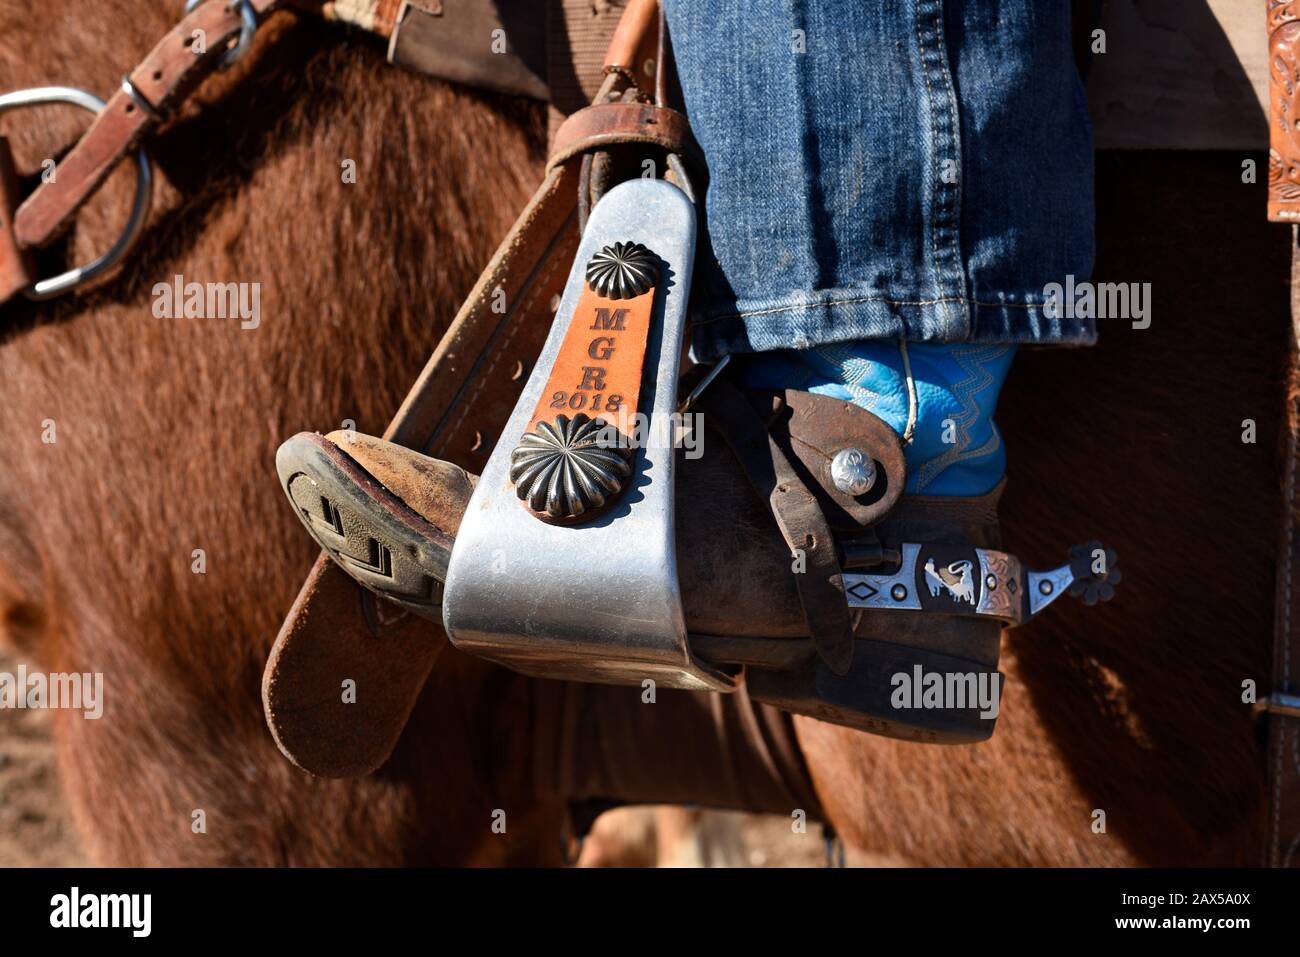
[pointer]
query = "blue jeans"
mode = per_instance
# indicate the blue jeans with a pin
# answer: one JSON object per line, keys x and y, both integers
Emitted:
{"x": 884, "y": 169}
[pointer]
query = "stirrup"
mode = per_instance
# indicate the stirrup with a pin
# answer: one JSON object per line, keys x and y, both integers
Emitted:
{"x": 565, "y": 562}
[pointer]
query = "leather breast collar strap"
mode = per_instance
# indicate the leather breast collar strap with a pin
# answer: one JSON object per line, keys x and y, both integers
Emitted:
{"x": 433, "y": 38}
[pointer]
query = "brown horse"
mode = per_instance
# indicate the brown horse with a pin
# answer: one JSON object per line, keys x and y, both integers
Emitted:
{"x": 165, "y": 430}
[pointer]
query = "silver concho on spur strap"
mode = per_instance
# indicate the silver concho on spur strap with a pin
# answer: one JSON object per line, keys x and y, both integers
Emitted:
{"x": 982, "y": 582}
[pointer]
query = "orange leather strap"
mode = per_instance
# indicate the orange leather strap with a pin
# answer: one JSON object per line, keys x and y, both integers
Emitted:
{"x": 634, "y": 49}
{"x": 598, "y": 370}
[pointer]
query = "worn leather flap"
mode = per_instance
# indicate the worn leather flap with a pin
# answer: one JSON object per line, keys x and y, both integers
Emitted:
{"x": 812, "y": 428}
{"x": 497, "y": 46}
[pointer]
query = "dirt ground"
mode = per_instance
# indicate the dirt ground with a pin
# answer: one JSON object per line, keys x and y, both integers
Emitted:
{"x": 35, "y": 830}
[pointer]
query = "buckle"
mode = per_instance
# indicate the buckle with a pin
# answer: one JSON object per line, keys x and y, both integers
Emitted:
{"x": 247, "y": 29}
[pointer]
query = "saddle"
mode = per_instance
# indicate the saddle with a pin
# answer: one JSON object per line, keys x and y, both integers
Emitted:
{"x": 592, "y": 545}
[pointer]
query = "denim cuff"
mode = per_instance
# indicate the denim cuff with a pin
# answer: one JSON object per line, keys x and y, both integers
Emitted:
{"x": 881, "y": 170}
{"x": 800, "y": 322}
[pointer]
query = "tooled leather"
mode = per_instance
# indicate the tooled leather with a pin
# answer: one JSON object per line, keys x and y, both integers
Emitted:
{"x": 1284, "y": 110}
{"x": 592, "y": 364}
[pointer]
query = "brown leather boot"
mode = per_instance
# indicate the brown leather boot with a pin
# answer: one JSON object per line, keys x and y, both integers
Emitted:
{"x": 916, "y": 579}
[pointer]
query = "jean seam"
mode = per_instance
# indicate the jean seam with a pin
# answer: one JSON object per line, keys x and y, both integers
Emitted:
{"x": 929, "y": 95}
{"x": 955, "y": 195}
{"x": 948, "y": 268}
{"x": 775, "y": 310}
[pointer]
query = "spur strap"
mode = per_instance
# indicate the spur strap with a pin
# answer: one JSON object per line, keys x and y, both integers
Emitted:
{"x": 797, "y": 514}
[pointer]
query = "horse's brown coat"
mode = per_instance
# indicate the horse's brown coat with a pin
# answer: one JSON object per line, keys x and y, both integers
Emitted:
{"x": 166, "y": 431}
{"x": 167, "y": 428}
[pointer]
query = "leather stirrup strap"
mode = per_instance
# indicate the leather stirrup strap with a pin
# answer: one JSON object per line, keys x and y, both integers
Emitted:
{"x": 16, "y": 272}
{"x": 609, "y": 124}
{"x": 798, "y": 515}
{"x": 460, "y": 401}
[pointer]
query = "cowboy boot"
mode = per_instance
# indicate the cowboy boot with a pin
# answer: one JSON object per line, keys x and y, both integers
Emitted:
{"x": 922, "y": 573}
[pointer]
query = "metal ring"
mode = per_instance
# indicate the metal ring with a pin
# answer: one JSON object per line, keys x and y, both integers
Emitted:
{"x": 80, "y": 275}
{"x": 142, "y": 101}
{"x": 249, "y": 18}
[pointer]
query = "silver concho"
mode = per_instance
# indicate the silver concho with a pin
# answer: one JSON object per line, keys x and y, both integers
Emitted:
{"x": 622, "y": 271}
{"x": 569, "y": 466}
{"x": 853, "y": 471}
